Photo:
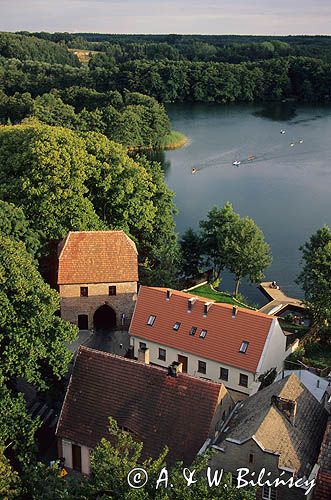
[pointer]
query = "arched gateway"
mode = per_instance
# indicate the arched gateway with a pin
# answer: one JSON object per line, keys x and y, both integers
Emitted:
{"x": 104, "y": 318}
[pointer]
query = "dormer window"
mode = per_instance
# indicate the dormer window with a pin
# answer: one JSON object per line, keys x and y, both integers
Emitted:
{"x": 193, "y": 331}
{"x": 203, "y": 334}
{"x": 151, "y": 320}
{"x": 176, "y": 326}
{"x": 244, "y": 346}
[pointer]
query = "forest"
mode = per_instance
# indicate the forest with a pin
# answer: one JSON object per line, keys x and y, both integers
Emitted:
{"x": 175, "y": 68}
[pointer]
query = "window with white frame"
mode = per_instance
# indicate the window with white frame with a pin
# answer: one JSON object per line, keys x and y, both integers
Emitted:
{"x": 244, "y": 346}
{"x": 151, "y": 320}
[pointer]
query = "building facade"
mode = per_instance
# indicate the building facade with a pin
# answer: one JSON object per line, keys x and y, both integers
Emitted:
{"x": 213, "y": 341}
{"x": 159, "y": 407}
{"x": 97, "y": 279}
{"x": 278, "y": 429}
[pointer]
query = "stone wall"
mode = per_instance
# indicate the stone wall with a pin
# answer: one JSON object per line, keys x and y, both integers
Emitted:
{"x": 72, "y": 304}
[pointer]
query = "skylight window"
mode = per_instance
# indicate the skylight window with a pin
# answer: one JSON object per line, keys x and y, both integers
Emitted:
{"x": 244, "y": 346}
{"x": 151, "y": 320}
{"x": 193, "y": 331}
{"x": 176, "y": 326}
{"x": 203, "y": 334}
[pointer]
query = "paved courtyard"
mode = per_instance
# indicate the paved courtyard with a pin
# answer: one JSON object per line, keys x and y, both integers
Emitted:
{"x": 115, "y": 341}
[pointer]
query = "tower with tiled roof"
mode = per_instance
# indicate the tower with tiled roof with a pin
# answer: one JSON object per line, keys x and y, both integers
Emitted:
{"x": 97, "y": 279}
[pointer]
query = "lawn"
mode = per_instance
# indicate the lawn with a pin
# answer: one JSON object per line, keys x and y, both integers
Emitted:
{"x": 208, "y": 292}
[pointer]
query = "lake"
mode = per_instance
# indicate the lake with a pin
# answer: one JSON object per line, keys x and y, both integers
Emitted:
{"x": 286, "y": 189}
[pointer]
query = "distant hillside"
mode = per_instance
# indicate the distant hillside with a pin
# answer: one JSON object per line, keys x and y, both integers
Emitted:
{"x": 22, "y": 47}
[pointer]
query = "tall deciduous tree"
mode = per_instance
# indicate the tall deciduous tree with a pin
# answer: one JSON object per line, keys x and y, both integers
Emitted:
{"x": 14, "y": 224}
{"x": 315, "y": 277}
{"x": 249, "y": 254}
{"x": 216, "y": 235}
{"x": 32, "y": 337}
{"x": 43, "y": 169}
{"x": 191, "y": 253}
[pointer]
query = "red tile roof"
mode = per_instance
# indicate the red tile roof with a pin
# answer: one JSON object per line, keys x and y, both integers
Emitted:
{"x": 225, "y": 334}
{"x": 323, "y": 487}
{"x": 159, "y": 410}
{"x": 97, "y": 257}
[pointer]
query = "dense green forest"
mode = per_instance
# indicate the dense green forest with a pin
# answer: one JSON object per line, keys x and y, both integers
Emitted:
{"x": 176, "y": 68}
{"x": 132, "y": 119}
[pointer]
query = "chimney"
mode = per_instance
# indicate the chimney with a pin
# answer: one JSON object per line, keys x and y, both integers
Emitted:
{"x": 234, "y": 311}
{"x": 286, "y": 406}
{"x": 143, "y": 355}
{"x": 318, "y": 383}
{"x": 206, "y": 307}
{"x": 175, "y": 368}
{"x": 130, "y": 353}
{"x": 168, "y": 294}
{"x": 190, "y": 303}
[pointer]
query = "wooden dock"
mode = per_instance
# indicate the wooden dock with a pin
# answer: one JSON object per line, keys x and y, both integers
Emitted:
{"x": 279, "y": 301}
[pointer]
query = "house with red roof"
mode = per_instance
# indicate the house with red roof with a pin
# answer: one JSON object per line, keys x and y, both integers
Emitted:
{"x": 213, "y": 341}
{"x": 97, "y": 274}
{"x": 158, "y": 407}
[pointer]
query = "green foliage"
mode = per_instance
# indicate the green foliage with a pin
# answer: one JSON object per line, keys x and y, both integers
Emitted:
{"x": 229, "y": 242}
{"x": 315, "y": 277}
{"x": 23, "y": 47}
{"x": 32, "y": 337}
{"x": 137, "y": 121}
{"x": 249, "y": 254}
{"x": 113, "y": 459}
{"x": 43, "y": 170}
{"x": 216, "y": 235}
{"x": 14, "y": 224}
{"x": 191, "y": 253}
{"x": 65, "y": 182}
{"x": 9, "y": 479}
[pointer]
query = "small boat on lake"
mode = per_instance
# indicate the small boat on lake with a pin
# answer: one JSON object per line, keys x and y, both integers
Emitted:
{"x": 236, "y": 163}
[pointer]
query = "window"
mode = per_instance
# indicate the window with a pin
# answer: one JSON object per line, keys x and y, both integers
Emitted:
{"x": 202, "y": 367}
{"x": 224, "y": 374}
{"x": 203, "y": 333}
{"x": 243, "y": 380}
{"x": 151, "y": 320}
{"x": 83, "y": 321}
{"x": 142, "y": 345}
{"x": 112, "y": 290}
{"x": 269, "y": 493}
{"x": 243, "y": 347}
{"x": 176, "y": 326}
{"x": 162, "y": 354}
{"x": 193, "y": 331}
{"x": 251, "y": 458}
{"x": 84, "y": 291}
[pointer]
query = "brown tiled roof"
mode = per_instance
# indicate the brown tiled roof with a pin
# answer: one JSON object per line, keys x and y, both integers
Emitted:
{"x": 323, "y": 487}
{"x": 97, "y": 257}
{"x": 225, "y": 334}
{"x": 297, "y": 445}
{"x": 159, "y": 410}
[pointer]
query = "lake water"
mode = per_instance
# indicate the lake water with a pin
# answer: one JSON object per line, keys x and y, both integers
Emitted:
{"x": 285, "y": 189}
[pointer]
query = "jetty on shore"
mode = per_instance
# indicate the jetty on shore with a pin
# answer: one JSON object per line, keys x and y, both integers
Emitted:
{"x": 279, "y": 302}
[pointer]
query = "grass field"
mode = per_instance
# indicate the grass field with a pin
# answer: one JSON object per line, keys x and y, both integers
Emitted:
{"x": 174, "y": 140}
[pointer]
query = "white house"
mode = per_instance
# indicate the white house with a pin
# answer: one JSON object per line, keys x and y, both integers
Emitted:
{"x": 214, "y": 341}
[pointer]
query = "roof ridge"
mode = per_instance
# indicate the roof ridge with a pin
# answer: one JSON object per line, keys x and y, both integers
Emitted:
{"x": 224, "y": 305}
{"x": 146, "y": 365}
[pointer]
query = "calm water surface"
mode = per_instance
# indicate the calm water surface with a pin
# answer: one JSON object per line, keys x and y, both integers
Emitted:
{"x": 285, "y": 189}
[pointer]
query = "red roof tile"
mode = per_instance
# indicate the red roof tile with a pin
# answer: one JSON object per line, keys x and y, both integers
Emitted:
{"x": 225, "y": 333}
{"x": 159, "y": 410}
{"x": 97, "y": 257}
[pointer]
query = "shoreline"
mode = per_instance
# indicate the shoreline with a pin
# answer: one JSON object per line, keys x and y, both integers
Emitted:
{"x": 174, "y": 140}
